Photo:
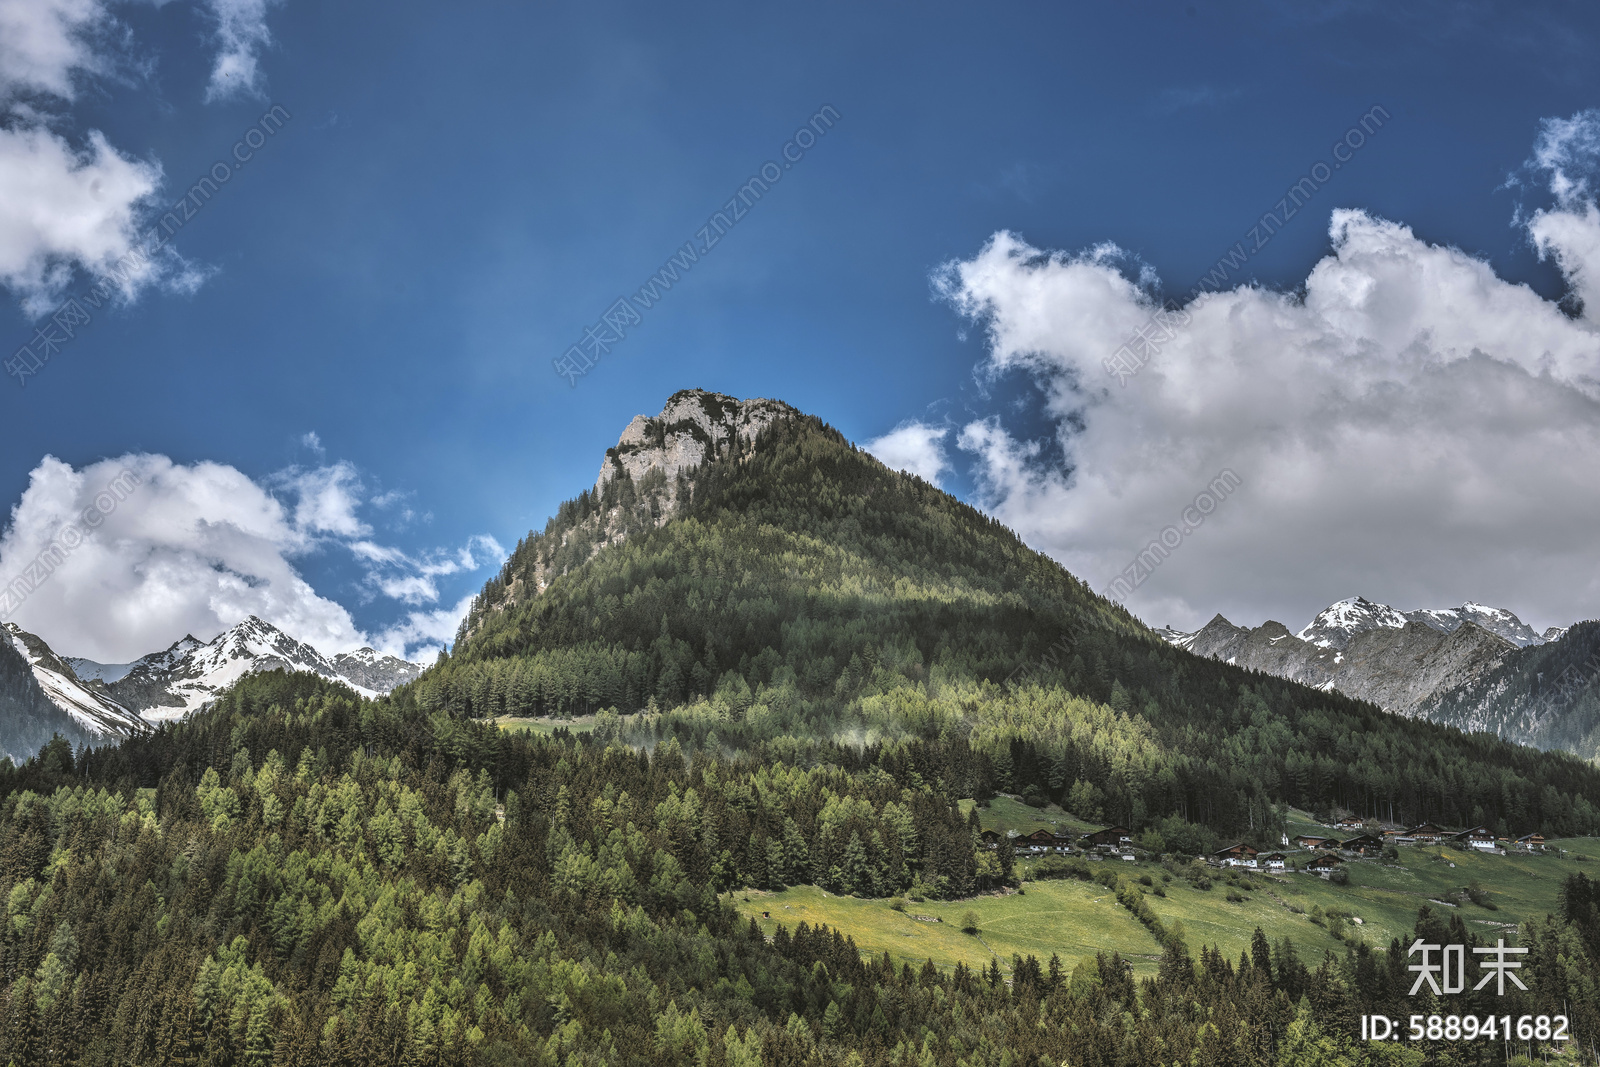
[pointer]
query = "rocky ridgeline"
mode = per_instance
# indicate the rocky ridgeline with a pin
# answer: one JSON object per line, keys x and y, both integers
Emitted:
{"x": 1397, "y": 660}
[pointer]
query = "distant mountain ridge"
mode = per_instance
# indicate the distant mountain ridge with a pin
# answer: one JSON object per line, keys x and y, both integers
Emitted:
{"x": 1338, "y": 623}
{"x": 1396, "y": 659}
{"x": 99, "y": 714}
{"x": 1545, "y": 695}
{"x": 186, "y": 676}
{"x": 43, "y": 693}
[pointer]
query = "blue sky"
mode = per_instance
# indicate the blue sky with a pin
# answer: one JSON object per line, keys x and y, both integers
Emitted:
{"x": 461, "y": 191}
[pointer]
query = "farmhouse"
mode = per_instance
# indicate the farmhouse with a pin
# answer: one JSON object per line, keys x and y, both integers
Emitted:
{"x": 1037, "y": 843}
{"x": 991, "y": 840}
{"x": 1112, "y": 837}
{"x": 1323, "y": 863}
{"x": 1240, "y": 855}
{"x": 1042, "y": 841}
{"x": 1351, "y": 823}
{"x": 1272, "y": 861}
{"x": 1310, "y": 841}
{"x": 1477, "y": 837}
{"x": 1427, "y": 834}
{"x": 1533, "y": 842}
{"x": 1364, "y": 843}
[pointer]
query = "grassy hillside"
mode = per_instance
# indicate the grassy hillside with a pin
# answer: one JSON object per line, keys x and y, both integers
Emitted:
{"x": 1075, "y": 919}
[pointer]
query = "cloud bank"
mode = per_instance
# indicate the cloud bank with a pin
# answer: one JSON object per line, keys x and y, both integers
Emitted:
{"x": 198, "y": 548}
{"x": 1408, "y": 426}
{"x": 914, "y": 447}
{"x": 69, "y": 207}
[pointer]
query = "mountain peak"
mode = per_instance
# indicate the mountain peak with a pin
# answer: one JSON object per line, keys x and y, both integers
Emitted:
{"x": 87, "y": 702}
{"x": 693, "y": 426}
{"x": 1337, "y": 623}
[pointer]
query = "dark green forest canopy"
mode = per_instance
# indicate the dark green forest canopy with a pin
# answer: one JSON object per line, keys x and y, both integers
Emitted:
{"x": 299, "y": 876}
{"x": 804, "y": 590}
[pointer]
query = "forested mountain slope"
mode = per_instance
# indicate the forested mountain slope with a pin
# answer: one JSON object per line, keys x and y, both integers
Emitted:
{"x": 797, "y": 588}
{"x": 28, "y": 717}
{"x": 1547, "y": 696}
{"x": 298, "y": 876}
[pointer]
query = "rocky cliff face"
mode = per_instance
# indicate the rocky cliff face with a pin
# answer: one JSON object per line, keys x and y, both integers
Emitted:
{"x": 693, "y": 427}
{"x": 641, "y": 482}
{"x": 1544, "y": 695}
{"x": 1397, "y": 660}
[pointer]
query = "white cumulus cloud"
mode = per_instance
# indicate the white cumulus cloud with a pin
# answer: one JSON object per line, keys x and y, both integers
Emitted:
{"x": 241, "y": 35}
{"x": 195, "y": 549}
{"x": 45, "y": 43}
{"x": 914, "y": 447}
{"x": 62, "y": 208}
{"x": 1408, "y": 426}
{"x": 422, "y": 635}
{"x": 75, "y": 207}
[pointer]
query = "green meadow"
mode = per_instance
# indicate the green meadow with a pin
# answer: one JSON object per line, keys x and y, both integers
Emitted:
{"x": 1073, "y": 918}
{"x": 581, "y": 724}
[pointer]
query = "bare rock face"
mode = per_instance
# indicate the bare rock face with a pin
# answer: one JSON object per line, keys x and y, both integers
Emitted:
{"x": 694, "y": 426}
{"x": 1397, "y": 660}
{"x": 374, "y": 670}
{"x": 639, "y": 487}
{"x": 1545, "y": 695}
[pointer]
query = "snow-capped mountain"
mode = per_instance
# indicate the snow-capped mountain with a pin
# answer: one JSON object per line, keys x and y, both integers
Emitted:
{"x": 368, "y": 668}
{"x": 87, "y": 701}
{"x": 1336, "y": 624}
{"x": 28, "y": 718}
{"x": 188, "y": 675}
{"x": 1371, "y": 651}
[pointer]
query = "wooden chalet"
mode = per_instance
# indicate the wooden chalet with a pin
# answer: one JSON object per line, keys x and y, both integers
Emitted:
{"x": 1240, "y": 855}
{"x": 1364, "y": 843}
{"x": 1112, "y": 837}
{"x": 1477, "y": 837}
{"x": 991, "y": 839}
{"x": 1042, "y": 841}
{"x": 1351, "y": 823}
{"x": 1428, "y": 834}
{"x": 1037, "y": 843}
{"x": 1533, "y": 842}
{"x": 1312, "y": 841}
{"x": 1272, "y": 861}
{"x": 1325, "y": 862}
